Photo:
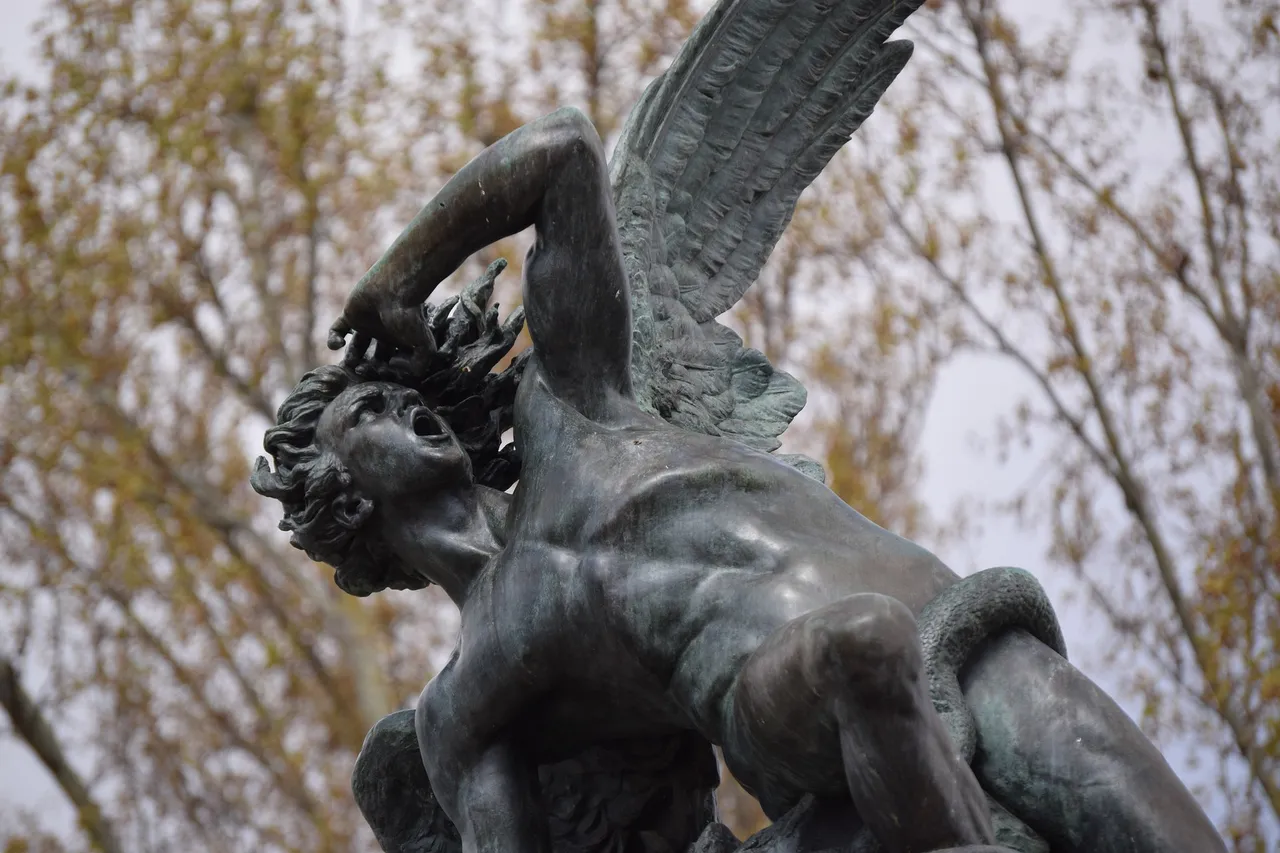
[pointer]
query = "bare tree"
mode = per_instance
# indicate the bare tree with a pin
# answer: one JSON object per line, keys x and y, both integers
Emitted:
{"x": 1093, "y": 195}
{"x": 186, "y": 198}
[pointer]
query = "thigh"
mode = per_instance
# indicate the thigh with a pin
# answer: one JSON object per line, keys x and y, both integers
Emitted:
{"x": 781, "y": 741}
{"x": 784, "y": 738}
{"x": 1059, "y": 754}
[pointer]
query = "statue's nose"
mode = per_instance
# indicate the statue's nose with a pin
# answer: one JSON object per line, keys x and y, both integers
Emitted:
{"x": 406, "y": 400}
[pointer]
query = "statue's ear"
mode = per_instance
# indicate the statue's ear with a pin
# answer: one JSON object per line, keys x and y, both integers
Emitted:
{"x": 352, "y": 511}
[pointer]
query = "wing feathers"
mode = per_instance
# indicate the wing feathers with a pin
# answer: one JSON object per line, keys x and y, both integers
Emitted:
{"x": 706, "y": 176}
{"x": 766, "y": 158}
{"x": 733, "y": 254}
{"x": 780, "y": 71}
{"x": 755, "y": 47}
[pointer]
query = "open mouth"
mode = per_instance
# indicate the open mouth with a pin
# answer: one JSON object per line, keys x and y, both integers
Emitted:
{"x": 425, "y": 424}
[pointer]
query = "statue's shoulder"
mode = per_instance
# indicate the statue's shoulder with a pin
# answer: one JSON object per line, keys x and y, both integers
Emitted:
{"x": 540, "y": 416}
{"x": 556, "y": 415}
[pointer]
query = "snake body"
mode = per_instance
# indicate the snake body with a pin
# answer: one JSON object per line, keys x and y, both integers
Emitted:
{"x": 952, "y": 627}
{"x": 961, "y": 617}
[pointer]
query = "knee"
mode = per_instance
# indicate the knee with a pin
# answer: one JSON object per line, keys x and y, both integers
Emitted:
{"x": 387, "y": 743}
{"x": 389, "y": 761}
{"x": 394, "y": 731}
{"x": 868, "y": 644}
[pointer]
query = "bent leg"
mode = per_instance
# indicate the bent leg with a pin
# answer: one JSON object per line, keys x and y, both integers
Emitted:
{"x": 848, "y": 680}
{"x": 1059, "y": 754}
{"x": 390, "y": 786}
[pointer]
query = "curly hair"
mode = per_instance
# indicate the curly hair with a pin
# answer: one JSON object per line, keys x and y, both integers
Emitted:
{"x": 457, "y": 381}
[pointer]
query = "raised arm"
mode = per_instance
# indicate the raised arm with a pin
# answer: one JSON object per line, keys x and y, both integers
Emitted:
{"x": 550, "y": 174}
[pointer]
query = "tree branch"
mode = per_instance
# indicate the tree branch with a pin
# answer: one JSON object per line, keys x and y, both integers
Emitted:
{"x": 185, "y": 315}
{"x": 1193, "y": 160}
{"x": 1003, "y": 344}
{"x": 348, "y": 620}
{"x": 30, "y": 724}
{"x": 311, "y": 296}
{"x": 1268, "y": 443}
{"x": 1136, "y": 497}
{"x": 1234, "y": 336}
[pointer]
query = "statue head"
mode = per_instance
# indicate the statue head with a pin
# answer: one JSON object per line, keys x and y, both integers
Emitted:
{"x": 357, "y": 436}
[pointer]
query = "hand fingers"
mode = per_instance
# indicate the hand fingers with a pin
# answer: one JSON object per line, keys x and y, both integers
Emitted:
{"x": 411, "y": 330}
{"x": 338, "y": 333}
{"x": 405, "y": 327}
{"x": 357, "y": 349}
{"x": 419, "y": 361}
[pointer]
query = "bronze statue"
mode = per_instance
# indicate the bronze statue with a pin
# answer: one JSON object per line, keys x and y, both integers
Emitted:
{"x": 658, "y": 576}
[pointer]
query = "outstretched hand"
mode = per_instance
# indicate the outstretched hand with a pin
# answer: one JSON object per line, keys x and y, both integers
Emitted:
{"x": 392, "y": 326}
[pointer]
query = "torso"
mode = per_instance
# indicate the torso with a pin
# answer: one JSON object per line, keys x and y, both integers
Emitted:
{"x": 663, "y": 559}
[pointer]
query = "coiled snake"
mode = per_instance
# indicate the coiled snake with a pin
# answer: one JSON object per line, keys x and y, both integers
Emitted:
{"x": 952, "y": 626}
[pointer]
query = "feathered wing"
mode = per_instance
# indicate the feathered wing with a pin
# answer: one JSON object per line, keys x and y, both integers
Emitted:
{"x": 706, "y": 177}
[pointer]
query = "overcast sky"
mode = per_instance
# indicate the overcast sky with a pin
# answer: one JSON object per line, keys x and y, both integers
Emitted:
{"x": 23, "y": 781}
{"x": 972, "y": 393}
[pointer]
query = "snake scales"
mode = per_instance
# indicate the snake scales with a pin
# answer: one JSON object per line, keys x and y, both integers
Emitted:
{"x": 952, "y": 627}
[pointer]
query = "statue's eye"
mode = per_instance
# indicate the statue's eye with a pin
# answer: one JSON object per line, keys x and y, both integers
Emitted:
{"x": 370, "y": 406}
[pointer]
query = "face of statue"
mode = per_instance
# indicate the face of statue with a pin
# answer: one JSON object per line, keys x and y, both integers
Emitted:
{"x": 391, "y": 443}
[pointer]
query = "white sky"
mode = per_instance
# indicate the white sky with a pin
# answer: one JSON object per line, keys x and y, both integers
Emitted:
{"x": 23, "y": 781}
{"x": 972, "y": 393}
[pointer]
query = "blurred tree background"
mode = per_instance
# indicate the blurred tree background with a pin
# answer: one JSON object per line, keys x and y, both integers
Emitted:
{"x": 188, "y": 188}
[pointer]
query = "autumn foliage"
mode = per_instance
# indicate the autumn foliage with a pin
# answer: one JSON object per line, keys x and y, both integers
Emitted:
{"x": 188, "y": 188}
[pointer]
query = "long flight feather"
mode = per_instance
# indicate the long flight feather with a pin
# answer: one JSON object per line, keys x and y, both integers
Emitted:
{"x": 707, "y": 174}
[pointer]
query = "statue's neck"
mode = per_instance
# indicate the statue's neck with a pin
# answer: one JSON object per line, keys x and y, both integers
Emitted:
{"x": 449, "y": 537}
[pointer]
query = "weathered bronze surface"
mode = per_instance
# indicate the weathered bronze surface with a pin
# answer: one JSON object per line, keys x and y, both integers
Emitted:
{"x": 659, "y": 581}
